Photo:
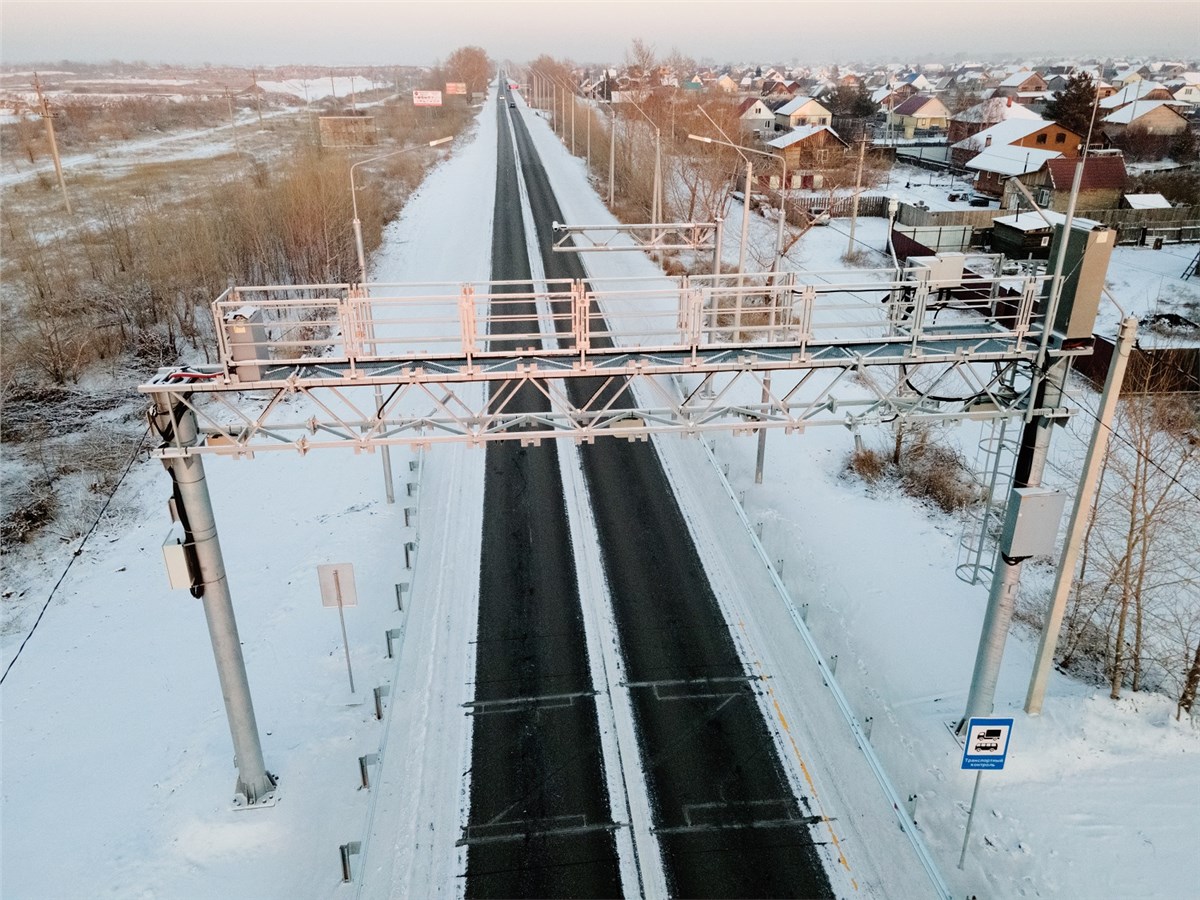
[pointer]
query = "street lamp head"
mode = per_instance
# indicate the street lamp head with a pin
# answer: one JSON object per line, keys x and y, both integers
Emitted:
{"x": 700, "y": 138}
{"x": 441, "y": 141}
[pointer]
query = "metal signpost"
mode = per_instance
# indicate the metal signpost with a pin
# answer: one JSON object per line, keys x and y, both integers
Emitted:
{"x": 337, "y": 589}
{"x": 986, "y": 748}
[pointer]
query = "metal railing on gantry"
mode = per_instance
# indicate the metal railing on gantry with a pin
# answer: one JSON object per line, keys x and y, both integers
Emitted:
{"x": 957, "y": 342}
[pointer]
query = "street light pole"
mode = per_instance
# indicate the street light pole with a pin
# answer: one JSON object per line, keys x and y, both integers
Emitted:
{"x": 761, "y": 454}
{"x": 386, "y": 453}
{"x": 655, "y": 201}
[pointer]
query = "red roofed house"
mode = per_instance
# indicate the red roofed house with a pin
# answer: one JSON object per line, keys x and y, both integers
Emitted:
{"x": 1101, "y": 187}
{"x": 919, "y": 112}
{"x": 754, "y": 115}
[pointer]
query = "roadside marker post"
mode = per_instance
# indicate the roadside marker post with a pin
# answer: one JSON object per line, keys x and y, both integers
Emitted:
{"x": 986, "y": 748}
{"x": 337, "y": 589}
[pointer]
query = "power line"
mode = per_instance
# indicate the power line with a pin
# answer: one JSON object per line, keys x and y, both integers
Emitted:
{"x": 1114, "y": 433}
{"x": 78, "y": 552}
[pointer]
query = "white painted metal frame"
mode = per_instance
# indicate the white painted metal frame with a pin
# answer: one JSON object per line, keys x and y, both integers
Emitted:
{"x": 871, "y": 348}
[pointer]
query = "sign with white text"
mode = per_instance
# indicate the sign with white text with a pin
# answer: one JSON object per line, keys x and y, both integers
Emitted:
{"x": 456, "y": 87}
{"x": 987, "y": 743}
{"x": 427, "y": 98}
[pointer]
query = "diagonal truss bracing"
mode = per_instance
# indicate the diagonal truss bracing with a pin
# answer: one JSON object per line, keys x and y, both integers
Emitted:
{"x": 301, "y": 364}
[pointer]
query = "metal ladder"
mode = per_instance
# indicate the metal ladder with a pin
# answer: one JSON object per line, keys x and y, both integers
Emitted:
{"x": 1193, "y": 268}
{"x": 994, "y": 464}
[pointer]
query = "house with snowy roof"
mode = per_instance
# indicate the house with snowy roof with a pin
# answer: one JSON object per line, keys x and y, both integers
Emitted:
{"x": 1131, "y": 93}
{"x": 1155, "y": 117}
{"x": 1021, "y": 83}
{"x": 1188, "y": 90}
{"x": 996, "y": 165}
{"x": 1032, "y": 134}
{"x": 983, "y": 115}
{"x": 808, "y": 149}
{"x": 801, "y": 111}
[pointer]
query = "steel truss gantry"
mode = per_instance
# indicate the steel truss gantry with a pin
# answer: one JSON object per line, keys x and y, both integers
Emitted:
{"x": 300, "y": 364}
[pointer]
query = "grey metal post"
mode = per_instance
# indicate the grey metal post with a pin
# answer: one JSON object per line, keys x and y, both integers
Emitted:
{"x": 1065, "y": 575}
{"x": 612, "y": 153}
{"x": 1006, "y": 581}
{"x": 254, "y": 784}
{"x": 737, "y": 310}
{"x": 1031, "y": 461}
{"x": 970, "y": 816}
{"x": 762, "y": 434}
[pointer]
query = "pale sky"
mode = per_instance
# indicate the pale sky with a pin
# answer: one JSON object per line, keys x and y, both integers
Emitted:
{"x": 403, "y": 32}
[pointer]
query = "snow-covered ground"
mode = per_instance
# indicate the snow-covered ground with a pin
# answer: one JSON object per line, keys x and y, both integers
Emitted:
{"x": 116, "y": 758}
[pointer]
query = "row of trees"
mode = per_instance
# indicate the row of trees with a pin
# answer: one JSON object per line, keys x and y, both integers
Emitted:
{"x": 1134, "y": 614}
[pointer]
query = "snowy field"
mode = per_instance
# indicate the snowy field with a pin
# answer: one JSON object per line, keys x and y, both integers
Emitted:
{"x": 116, "y": 755}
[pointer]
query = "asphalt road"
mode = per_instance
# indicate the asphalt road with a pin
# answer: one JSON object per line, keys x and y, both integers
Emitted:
{"x": 727, "y": 820}
{"x": 539, "y": 823}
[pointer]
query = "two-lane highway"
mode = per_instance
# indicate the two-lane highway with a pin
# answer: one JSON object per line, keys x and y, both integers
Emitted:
{"x": 540, "y": 823}
{"x": 726, "y": 817}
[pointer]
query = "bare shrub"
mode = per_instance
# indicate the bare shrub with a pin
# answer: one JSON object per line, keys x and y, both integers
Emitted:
{"x": 28, "y": 513}
{"x": 939, "y": 474}
{"x": 923, "y": 469}
{"x": 869, "y": 465}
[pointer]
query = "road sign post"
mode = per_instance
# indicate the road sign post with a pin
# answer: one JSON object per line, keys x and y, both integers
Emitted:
{"x": 337, "y": 589}
{"x": 986, "y": 748}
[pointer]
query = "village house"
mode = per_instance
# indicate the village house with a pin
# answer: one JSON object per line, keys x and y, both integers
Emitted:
{"x": 801, "y": 111}
{"x": 1189, "y": 90}
{"x": 920, "y": 112}
{"x": 1154, "y": 117}
{"x": 755, "y": 116}
{"x": 995, "y": 166}
{"x": 1033, "y": 134}
{"x": 1101, "y": 185}
{"x": 1021, "y": 83}
{"x": 807, "y": 150}
{"x": 986, "y": 114}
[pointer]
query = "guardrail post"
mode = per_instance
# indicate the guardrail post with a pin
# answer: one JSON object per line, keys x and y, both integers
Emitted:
{"x": 392, "y": 634}
{"x": 380, "y": 692}
{"x": 364, "y": 763}
{"x": 346, "y": 851}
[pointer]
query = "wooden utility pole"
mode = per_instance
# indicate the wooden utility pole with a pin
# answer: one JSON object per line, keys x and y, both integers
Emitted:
{"x": 257, "y": 99}
{"x": 48, "y": 118}
{"x": 232, "y": 124}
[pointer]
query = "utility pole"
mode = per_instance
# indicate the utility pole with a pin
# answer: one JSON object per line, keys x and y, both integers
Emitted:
{"x": 48, "y": 118}
{"x": 232, "y": 124}
{"x": 1065, "y": 576}
{"x": 862, "y": 149}
{"x": 612, "y": 153}
{"x": 257, "y": 99}
{"x": 176, "y": 423}
{"x": 1031, "y": 461}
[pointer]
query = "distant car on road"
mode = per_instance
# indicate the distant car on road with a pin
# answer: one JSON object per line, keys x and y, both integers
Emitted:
{"x": 512, "y": 104}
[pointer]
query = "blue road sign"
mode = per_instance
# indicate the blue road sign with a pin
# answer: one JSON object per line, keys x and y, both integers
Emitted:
{"x": 987, "y": 743}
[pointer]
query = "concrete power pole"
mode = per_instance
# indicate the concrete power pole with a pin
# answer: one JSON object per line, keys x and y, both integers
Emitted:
{"x": 862, "y": 149}
{"x": 1065, "y": 576}
{"x": 177, "y": 425}
{"x": 48, "y": 118}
